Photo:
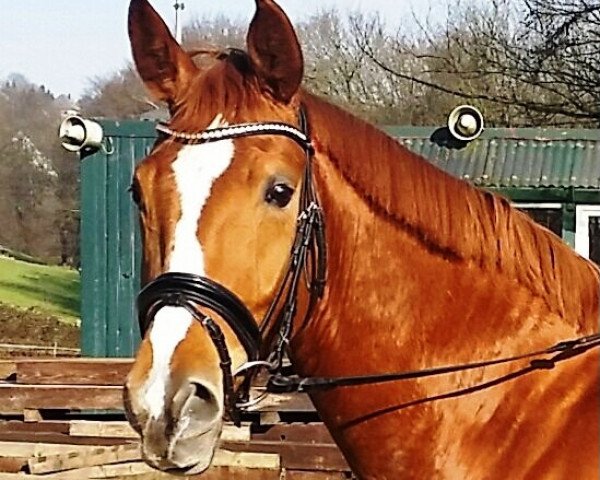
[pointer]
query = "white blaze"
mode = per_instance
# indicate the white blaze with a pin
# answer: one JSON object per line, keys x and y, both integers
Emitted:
{"x": 196, "y": 169}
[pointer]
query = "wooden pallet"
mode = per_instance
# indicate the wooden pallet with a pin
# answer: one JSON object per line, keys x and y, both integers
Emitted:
{"x": 91, "y": 384}
{"x": 64, "y": 419}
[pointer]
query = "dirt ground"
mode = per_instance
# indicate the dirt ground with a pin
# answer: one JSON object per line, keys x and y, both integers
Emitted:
{"x": 28, "y": 327}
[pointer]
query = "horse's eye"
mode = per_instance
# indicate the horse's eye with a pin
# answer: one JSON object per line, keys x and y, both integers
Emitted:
{"x": 279, "y": 194}
{"x": 136, "y": 196}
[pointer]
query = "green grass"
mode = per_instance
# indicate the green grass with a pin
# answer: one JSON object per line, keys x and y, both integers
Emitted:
{"x": 47, "y": 289}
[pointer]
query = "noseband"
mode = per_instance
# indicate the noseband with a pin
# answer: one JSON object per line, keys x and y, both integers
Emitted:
{"x": 190, "y": 291}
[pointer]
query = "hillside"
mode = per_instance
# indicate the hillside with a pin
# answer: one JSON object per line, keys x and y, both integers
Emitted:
{"x": 47, "y": 289}
{"x": 39, "y": 305}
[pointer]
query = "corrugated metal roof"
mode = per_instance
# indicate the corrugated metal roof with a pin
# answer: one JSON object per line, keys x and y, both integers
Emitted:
{"x": 520, "y": 158}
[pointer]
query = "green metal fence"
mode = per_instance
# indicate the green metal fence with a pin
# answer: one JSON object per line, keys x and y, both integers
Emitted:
{"x": 526, "y": 166}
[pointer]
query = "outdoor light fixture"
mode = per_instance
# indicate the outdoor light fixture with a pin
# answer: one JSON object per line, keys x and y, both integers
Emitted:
{"x": 465, "y": 123}
{"x": 78, "y": 134}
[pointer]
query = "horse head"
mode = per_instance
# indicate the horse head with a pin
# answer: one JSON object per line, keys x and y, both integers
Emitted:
{"x": 224, "y": 211}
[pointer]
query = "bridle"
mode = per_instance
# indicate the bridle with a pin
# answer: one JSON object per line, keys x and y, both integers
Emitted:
{"x": 307, "y": 260}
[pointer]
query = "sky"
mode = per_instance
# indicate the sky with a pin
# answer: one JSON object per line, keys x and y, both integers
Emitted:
{"x": 62, "y": 44}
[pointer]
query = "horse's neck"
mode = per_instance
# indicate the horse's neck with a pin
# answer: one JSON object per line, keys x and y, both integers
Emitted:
{"x": 397, "y": 297}
{"x": 400, "y": 297}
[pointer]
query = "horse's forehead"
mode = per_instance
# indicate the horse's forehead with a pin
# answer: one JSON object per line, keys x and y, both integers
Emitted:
{"x": 167, "y": 154}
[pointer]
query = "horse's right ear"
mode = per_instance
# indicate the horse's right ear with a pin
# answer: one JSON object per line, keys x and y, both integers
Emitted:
{"x": 163, "y": 65}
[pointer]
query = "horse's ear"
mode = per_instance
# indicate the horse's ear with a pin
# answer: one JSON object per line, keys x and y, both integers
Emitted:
{"x": 163, "y": 65}
{"x": 275, "y": 51}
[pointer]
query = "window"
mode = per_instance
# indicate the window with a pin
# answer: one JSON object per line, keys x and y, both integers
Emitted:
{"x": 594, "y": 237}
{"x": 587, "y": 231}
{"x": 547, "y": 214}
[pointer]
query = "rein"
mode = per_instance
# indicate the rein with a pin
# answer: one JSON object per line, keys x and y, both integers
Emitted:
{"x": 562, "y": 350}
{"x": 308, "y": 260}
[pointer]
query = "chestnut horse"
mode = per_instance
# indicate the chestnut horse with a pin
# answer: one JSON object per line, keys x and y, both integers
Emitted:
{"x": 422, "y": 270}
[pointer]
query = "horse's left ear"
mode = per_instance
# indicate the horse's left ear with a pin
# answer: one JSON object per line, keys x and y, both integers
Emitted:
{"x": 275, "y": 51}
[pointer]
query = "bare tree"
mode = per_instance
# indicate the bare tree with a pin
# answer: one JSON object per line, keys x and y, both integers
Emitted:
{"x": 336, "y": 67}
{"x": 526, "y": 63}
{"x": 120, "y": 95}
{"x": 563, "y": 58}
{"x": 37, "y": 183}
{"x": 217, "y": 32}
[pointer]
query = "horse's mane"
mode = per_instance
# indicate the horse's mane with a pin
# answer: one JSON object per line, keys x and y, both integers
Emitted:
{"x": 450, "y": 217}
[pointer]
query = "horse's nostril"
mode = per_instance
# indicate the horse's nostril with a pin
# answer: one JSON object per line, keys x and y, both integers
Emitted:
{"x": 202, "y": 405}
{"x": 202, "y": 392}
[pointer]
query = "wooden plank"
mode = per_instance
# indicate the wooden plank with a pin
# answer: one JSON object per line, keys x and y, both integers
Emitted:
{"x": 231, "y": 433}
{"x": 285, "y": 402}
{"x": 119, "y": 432}
{"x": 297, "y": 456}
{"x": 139, "y": 471}
{"x": 53, "y": 350}
{"x": 89, "y": 428}
{"x": 55, "y": 457}
{"x": 32, "y": 415}
{"x": 239, "y": 460}
{"x": 293, "y": 432}
{"x": 104, "y": 471}
{"x": 14, "y": 399}
{"x": 122, "y": 429}
{"x": 72, "y": 460}
{"x": 112, "y": 372}
{"x": 225, "y": 473}
{"x": 57, "y": 438}
{"x": 91, "y": 362}
{"x": 12, "y": 464}
{"x": 302, "y": 475}
{"x": 31, "y": 449}
{"x": 106, "y": 372}
{"x": 46, "y": 426}
{"x": 8, "y": 368}
{"x": 221, "y": 473}
{"x": 227, "y": 458}
{"x": 269, "y": 417}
